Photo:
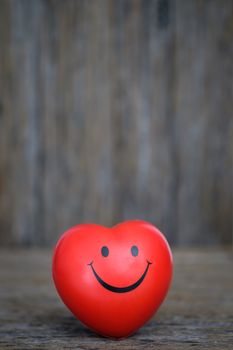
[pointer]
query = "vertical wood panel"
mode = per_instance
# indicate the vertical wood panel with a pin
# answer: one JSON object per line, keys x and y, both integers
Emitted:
{"x": 204, "y": 120}
{"x": 112, "y": 110}
{"x": 5, "y": 125}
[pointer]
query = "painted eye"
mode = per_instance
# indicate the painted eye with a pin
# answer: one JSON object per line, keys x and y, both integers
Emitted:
{"x": 104, "y": 251}
{"x": 134, "y": 250}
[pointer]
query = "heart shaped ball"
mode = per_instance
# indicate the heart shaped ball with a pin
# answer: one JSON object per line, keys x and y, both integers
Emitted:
{"x": 113, "y": 279}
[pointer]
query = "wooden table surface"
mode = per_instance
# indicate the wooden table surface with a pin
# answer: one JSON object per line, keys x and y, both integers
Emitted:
{"x": 198, "y": 310}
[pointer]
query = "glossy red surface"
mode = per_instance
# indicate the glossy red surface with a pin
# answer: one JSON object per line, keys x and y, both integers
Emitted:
{"x": 113, "y": 279}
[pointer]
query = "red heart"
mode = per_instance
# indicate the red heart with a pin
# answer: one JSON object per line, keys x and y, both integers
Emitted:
{"x": 113, "y": 279}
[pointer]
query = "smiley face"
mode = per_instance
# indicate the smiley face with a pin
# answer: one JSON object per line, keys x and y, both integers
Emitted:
{"x": 115, "y": 289}
{"x": 113, "y": 279}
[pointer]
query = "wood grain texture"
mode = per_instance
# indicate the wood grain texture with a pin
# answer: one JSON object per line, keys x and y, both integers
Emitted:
{"x": 196, "y": 313}
{"x": 113, "y": 110}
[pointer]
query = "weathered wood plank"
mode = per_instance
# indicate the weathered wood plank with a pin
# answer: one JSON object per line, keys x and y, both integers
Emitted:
{"x": 111, "y": 110}
{"x": 204, "y": 122}
{"x": 197, "y": 311}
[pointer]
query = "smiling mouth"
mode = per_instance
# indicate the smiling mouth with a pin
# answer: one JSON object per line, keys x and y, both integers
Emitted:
{"x": 120, "y": 289}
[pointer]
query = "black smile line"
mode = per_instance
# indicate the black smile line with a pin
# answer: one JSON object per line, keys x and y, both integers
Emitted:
{"x": 120, "y": 289}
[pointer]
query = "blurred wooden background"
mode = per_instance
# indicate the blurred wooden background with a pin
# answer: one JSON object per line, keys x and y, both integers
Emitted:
{"x": 112, "y": 110}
